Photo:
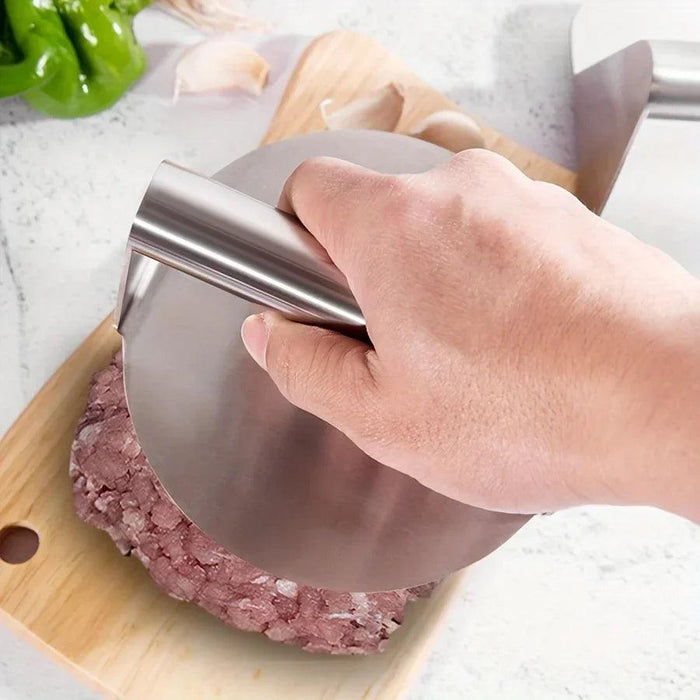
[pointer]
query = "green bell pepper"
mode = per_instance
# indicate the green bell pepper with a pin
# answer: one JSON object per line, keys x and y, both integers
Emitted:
{"x": 69, "y": 58}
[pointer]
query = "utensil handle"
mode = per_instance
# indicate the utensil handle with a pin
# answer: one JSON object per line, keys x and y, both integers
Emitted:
{"x": 226, "y": 238}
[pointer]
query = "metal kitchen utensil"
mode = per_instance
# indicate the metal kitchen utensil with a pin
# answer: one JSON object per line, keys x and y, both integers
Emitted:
{"x": 637, "y": 109}
{"x": 270, "y": 483}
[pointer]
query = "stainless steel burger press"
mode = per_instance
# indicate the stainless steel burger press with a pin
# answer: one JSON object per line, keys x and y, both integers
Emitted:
{"x": 269, "y": 482}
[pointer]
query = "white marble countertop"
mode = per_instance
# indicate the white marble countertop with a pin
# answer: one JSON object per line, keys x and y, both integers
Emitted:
{"x": 589, "y": 603}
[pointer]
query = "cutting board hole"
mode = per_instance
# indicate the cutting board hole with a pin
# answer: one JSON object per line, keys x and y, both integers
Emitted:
{"x": 18, "y": 544}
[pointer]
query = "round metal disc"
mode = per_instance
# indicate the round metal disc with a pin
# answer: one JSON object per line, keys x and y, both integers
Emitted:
{"x": 270, "y": 483}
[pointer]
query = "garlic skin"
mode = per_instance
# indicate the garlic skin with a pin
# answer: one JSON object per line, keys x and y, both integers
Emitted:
{"x": 212, "y": 15}
{"x": 450, "y": 129}
{"x": 219, "y": 64}
{"x": 380, "y": 110}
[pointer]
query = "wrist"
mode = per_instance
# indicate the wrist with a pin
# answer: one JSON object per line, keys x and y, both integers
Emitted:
{"x": 660, "y": 461}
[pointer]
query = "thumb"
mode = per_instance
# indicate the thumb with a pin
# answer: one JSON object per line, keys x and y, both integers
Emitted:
{"x": 320, "y": 371}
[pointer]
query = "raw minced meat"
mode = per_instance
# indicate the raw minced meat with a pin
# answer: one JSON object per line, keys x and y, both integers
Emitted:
{"x": 115, "y": 489}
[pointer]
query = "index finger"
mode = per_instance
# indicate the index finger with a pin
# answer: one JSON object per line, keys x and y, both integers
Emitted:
{"x": 332, "y": 198}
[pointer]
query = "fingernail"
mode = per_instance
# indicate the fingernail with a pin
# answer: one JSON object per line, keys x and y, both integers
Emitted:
{"x": 255, "y": 333}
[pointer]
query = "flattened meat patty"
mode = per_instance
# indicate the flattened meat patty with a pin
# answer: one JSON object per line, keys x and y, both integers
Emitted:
{"x": 115, "y": 489}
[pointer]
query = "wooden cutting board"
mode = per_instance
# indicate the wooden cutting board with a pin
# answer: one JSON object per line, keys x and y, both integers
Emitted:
{"x": 98, "y": 612}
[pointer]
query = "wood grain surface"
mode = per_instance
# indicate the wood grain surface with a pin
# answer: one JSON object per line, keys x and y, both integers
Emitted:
{"x": 344, "y": 65}
{"x": 98, "y": 612}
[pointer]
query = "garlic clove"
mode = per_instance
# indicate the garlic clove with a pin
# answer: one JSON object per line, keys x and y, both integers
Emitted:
{"x": 220, "y": 63}
{"x": 450, "y": 129}
{"x": 212, "y": 15}
{"x": 380, "y": 110}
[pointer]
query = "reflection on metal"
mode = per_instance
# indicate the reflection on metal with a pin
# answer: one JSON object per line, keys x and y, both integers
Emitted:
{"x": 240, "y": 244}
{"x": 269, "y": 482}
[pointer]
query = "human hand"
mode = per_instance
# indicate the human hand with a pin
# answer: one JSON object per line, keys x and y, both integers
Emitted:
{"x": 526, "y": 355}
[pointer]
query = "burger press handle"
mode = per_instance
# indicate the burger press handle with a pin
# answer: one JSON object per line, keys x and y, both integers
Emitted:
{"x": 226, "y": 238}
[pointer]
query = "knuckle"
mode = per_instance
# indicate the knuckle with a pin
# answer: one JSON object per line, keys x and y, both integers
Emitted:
{"x": 311, "y": 173}
{"x": 282, "y": 368}
{"x": 405, "y": 199}
{"x": 311, "y": 166}
{"x": 306, "y": 167}
{"x": 326, "y": 362}
{"x": 355, "y": 390}
{"x": 550, "y": 196}
{"x": 480, "y": 168}
{"x": 314, "y": 369}
{"x": 320, "y": 372}
{"x": 302, "y": 173}
{"x": 392, "y": 192}
{"x": 547, "y": 188}
{"x": 396, "y": 186}
{"x": 476, "y": 159}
